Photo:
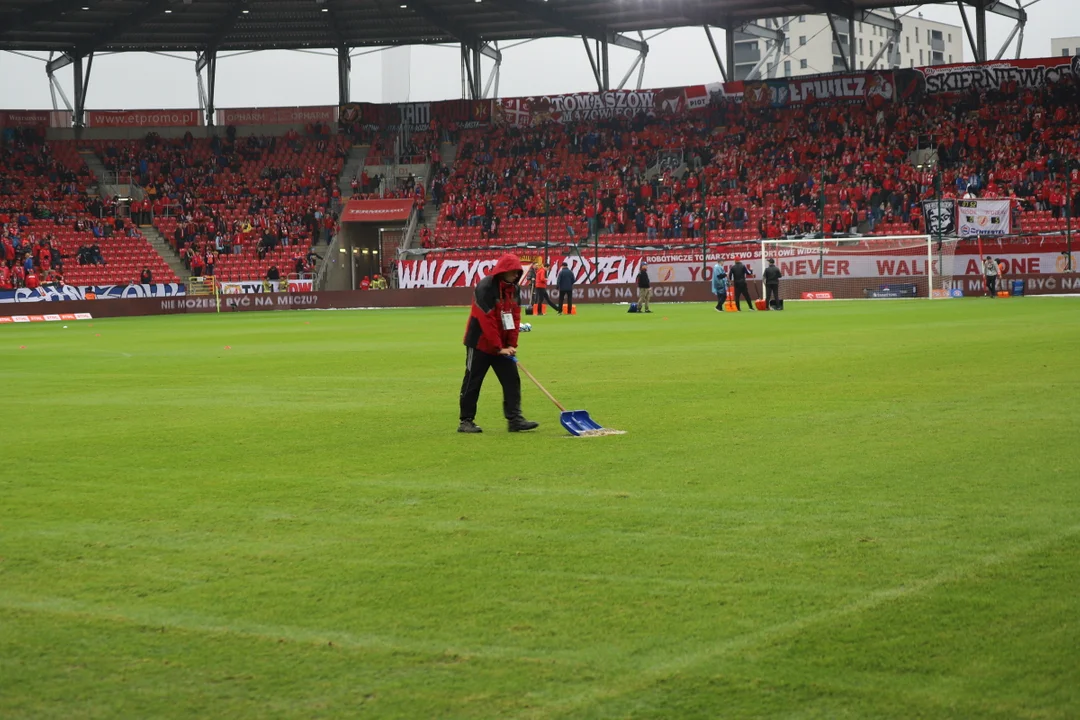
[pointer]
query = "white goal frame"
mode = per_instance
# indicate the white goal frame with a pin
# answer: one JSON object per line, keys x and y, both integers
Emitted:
{"x": 896, "y": 241}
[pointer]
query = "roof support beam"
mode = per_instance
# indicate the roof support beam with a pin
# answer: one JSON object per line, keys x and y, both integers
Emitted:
{"x": 470, "y": 71}
{"x": 1017, "y": 28}
{"x": 872, "y": 18}
{"x": 851, "y": 40}
{"x": 1000, "y": 8}
{"x": 496, "y": 72}
{"x": 729, "y": 52}
{"x": 207, "y": 60}
{"x": 487, "y": 50}
{"x": 59, "y": 63}
{"x": 554, "y": 18}
{"x": 54, "y": 85}
{"x": 598, "y": 63}
{"x": 344, "y": 68}
{"x": 82, "y": 84}
{"x": 892, "y": 47}
{"x": 980, "y": 29}
{"x": 776, "y": 35}
{"x": 770, "y": 59}
{"x": 967, "y": 29}
{"x": 834, "y": 27}
{"x": 716, "y": 54}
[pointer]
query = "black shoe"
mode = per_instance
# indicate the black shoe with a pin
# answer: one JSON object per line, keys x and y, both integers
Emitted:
{"x": 520, "y": 424}
{"x": 468, "y": 426}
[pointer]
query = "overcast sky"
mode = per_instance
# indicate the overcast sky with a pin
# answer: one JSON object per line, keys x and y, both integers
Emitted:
{"x": 282, "y": 78}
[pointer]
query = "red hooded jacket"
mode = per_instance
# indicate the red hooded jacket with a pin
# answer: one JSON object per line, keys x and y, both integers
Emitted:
{"x": 486, "y": 330}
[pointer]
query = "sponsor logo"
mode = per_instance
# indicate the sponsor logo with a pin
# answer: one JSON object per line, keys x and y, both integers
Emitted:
{"x": 4, "y": 320}
{"x": 144, "y": 118}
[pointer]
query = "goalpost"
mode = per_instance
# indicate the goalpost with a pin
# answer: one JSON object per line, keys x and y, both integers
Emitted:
{"x": 898, "y": 266}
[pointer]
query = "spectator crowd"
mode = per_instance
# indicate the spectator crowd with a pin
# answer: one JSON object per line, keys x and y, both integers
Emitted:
{"x": 734, "y": 172}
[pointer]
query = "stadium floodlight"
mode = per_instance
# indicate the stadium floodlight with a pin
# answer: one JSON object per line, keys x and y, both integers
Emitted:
{"x": 899, "y": 266}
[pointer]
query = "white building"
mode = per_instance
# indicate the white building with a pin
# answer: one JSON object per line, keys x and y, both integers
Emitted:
{"x": 809, "y": 48}
{"x": 1064, "y": 46}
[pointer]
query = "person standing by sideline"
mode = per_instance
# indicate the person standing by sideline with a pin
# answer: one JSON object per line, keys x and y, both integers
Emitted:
{"x": 491, "y": 338}
{"x": 644, "y": 289}
{"x": 719, "y": 285}
{"x": 990, "y": 270}
{"x": 540, "y": 289}
{"x": 772, "y": 284}
{"x": 738, "y": 275}
{"x": 565, "y": 283}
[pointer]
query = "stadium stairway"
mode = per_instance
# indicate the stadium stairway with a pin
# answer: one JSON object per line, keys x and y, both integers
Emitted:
{"x": 165, "y": 250}
{"x": 447, "y": 156}
{"x": 354, "y": 163}
{"x": 101, "y": 174}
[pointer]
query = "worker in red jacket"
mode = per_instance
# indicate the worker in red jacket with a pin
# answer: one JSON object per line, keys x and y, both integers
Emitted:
{"x": 491, "y": 338}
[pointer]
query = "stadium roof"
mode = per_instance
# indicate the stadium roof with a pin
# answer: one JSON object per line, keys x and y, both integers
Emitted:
{"x": 83, "y": 26}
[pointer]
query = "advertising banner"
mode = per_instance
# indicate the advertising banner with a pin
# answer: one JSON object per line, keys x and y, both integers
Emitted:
{"x": 418, "y": 116}
{"x": 577, "y": 107}
{"x": 252, "y": 287}
{"x": 794, "y": 263}
{"x": 447, "y": 272}
{"x": 276, "y": 116}
{"x": 983, "y": 217}
{"x": 376, "y": 210}
{"x": 90, "y": 292}
{"x": 35, "y": 118}
{"x": 872, "y": 88}
{"x": 985, "y": 77}
{"x": 62, "y": 317}
{"x": 144, "y": 118}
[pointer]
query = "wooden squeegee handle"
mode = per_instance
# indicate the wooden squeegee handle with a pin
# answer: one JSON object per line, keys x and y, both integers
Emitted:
{"x": 537, "y": 383}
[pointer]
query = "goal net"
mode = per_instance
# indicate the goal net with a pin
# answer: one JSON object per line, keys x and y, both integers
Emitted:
{"x": 903, "y": 266}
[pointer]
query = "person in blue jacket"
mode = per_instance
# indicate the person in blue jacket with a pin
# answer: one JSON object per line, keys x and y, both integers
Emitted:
{"x": 719, "y": 285}
{"x": 565, "y": 282}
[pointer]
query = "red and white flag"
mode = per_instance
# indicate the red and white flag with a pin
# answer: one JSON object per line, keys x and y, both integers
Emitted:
{"x": 697, "y": 96}
{"x": 517, "y": 111}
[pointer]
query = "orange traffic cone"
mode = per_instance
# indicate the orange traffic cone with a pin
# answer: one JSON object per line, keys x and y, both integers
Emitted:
{"x": 729, "y": 305}
{"x": 564, "y": 310}
{"x": 573, "y": 310}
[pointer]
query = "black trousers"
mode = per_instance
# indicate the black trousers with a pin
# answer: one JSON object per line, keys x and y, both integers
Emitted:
{"x": 476, "y": 367}
{"x": 720, "y": 298}
{"x": 566, "y": 297}
{"x": 541, "y": 297}
{"x": 742, "y": 291}
{"x": 991, "y": 285}
{"x": 772, "y": 293}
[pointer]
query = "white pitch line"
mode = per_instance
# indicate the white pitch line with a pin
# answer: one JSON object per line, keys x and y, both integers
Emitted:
{"x": 651, "y": 676}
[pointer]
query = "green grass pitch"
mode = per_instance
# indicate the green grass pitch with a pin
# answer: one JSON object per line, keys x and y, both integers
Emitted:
{"x": 845, "y": 510}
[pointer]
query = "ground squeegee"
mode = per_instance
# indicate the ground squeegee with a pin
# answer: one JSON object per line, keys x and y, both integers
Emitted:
{"x": 577, "y": 422}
